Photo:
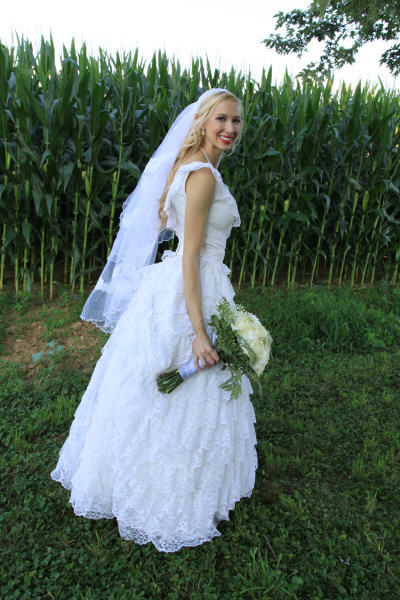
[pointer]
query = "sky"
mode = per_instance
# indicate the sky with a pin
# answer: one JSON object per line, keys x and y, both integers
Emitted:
{"x": 229, "y": 32}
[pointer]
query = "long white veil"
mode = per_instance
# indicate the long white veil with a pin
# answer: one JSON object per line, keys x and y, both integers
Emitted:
{"x": 139, "y": 234}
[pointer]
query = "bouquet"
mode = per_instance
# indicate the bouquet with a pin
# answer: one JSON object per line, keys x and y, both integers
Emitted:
{"x": 242, "y": 343}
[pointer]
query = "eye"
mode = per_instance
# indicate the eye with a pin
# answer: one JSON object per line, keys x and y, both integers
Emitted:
{"x": 220, "y": 118}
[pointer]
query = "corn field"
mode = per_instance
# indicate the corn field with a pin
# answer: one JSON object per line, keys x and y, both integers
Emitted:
{"x": 316, "y": 177}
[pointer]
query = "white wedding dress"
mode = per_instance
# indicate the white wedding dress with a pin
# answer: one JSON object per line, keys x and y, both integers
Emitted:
{"x": 168, "y": 467}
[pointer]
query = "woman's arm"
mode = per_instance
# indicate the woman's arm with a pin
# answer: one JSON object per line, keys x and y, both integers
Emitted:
{"x": 200, "y": 186}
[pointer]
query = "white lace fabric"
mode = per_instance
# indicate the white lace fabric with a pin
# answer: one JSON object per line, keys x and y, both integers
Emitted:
{"x": 167, "y": 467}
{"x": 219, "y": 218}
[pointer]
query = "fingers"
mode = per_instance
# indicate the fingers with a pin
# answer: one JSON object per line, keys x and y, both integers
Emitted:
{"x": 212, "y": 357}
{"x": 203, "y": 362}
{"x": 215, "y": 356}
{"x": 204, "y": 355}
{"x": 199, "y": 365}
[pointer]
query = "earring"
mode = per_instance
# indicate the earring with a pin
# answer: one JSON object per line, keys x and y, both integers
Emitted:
{"x": 202, "y": 131}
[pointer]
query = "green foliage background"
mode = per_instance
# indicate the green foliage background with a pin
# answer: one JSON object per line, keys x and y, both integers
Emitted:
{"x": 335, "y": 23}
{"x": 316, "y": 177}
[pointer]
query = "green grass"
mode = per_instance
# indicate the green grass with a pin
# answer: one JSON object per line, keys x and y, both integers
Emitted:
{"x": 324, "y": 518}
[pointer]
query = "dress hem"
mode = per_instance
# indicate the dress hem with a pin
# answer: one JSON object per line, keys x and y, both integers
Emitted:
{"x": 141, "y": 538}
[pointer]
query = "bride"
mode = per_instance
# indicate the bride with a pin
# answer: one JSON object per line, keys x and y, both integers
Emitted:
{"x": 167, "y": 467}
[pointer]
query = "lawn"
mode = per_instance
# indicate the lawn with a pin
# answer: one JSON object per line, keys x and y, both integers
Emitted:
{"x": 324, "y": 518}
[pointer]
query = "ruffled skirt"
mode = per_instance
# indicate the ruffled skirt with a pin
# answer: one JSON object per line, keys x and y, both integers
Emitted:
{"x": 167, "y": 467}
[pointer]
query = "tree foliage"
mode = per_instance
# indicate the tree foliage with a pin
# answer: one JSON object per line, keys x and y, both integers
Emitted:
{"x": 344, "y": 26}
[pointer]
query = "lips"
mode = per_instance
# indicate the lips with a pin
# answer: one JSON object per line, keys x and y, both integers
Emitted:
{"x": 225, "y": 140}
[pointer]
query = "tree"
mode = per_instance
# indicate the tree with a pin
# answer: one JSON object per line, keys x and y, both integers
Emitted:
{"x": 344, "y": 26}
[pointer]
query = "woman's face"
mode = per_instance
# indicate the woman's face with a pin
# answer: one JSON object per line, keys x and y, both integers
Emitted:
{"x": 223, "y": 125}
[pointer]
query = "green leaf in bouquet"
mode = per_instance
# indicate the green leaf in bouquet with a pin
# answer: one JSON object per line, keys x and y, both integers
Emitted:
{"x": 233, "y": 384}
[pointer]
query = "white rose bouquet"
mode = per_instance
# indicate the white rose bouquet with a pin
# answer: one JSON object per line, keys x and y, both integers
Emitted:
{"x": 242, "y": 343}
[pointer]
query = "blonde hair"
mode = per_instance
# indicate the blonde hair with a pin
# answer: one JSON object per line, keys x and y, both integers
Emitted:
{"x": 193, "y": 140}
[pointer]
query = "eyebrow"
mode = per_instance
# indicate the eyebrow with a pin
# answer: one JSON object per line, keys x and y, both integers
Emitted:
{"x": 224, "y": 115}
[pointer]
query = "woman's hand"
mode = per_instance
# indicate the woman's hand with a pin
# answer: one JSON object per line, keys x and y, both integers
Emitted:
{"x": 203, "y": 351}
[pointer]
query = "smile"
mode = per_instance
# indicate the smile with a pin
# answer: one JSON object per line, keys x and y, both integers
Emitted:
{"x": 225, "y": 140}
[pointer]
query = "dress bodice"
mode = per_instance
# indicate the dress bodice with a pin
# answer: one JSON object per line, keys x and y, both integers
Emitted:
{"x": 222, "y": 216}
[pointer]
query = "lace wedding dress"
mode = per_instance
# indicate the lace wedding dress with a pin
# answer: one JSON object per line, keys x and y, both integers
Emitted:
{"x": 168, "y": 467}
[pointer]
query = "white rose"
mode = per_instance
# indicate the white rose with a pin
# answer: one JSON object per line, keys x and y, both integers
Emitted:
{"x": 250, "y": 329}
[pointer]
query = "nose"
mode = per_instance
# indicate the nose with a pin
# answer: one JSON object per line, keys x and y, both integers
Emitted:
{"x": 229, "y": 127}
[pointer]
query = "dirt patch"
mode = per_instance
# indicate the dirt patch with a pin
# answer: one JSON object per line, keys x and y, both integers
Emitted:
{"x": 51, "y": 334}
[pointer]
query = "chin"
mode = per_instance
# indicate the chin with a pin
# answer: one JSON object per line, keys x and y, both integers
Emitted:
{"x": 222, "y": 146}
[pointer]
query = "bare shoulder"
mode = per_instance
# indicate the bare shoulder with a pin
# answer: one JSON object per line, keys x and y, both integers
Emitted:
{"x": 202, "y": 178}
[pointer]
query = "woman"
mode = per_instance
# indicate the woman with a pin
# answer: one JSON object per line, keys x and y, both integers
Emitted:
{"x": 168, "y": 467}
